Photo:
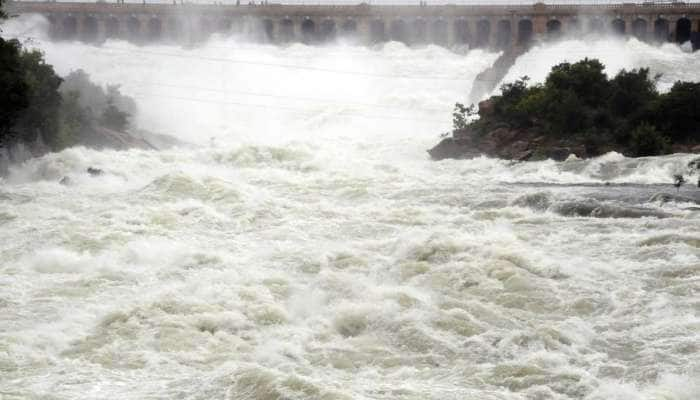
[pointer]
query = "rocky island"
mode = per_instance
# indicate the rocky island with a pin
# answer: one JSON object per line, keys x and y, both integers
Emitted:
{"x": 578, "y": 111}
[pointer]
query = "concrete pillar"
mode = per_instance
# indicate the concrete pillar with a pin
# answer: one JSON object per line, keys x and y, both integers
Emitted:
{"x": 363, "y": 29}
{"x": 514, "y": 29}
{"x": 450, "y": 31}
{"x": 629, "y": 20}
{"x": 539, "y": 25}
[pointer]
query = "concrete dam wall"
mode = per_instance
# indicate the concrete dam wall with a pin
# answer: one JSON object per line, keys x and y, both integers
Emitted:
{"x": 493, "y": 26}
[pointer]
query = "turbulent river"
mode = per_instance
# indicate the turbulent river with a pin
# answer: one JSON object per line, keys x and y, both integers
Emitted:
{"x": 303, "y": 246}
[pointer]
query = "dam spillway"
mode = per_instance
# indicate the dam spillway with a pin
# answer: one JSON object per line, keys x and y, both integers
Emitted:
{"x": 493, "y": 26}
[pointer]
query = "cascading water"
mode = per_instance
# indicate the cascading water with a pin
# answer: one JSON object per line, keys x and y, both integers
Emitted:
{"x": 302, "y": 246}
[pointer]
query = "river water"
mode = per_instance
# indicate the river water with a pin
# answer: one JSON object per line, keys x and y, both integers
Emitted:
{"x": 303, "y": 246}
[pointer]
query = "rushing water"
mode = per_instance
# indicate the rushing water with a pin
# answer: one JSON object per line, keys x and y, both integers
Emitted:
{"x": 304, "y": 247}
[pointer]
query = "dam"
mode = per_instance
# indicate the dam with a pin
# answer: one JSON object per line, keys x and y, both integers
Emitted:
{"x": 474, "y": 26}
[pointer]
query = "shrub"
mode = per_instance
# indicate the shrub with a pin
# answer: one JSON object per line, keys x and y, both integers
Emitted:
{"x": 506, "y": 105}
{"x": 461, "y": 115}
{"x": 113, "y": 118}
{"x": 678, "y": 111}
{"x": 647, "y": 141}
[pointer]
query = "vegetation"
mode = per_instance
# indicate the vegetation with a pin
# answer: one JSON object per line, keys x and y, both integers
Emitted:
{"x": 579, "y": 103}
{"x": 38, "y": 105}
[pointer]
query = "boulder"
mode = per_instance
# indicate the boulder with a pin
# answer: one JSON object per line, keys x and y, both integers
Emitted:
{"x": 663, "y": 197}
{"x": 94, "y": 171}
{"x": 523, "y": 155}
{"x": 486, "y": 108}
{"x": 694, "y": 165}
{"x": 557, "y": 153}
{"x": 517, "y": 150}
{"x": 502, "y": 136}
{"x": 451, "y": 148}
{"x": 464, "y": 133}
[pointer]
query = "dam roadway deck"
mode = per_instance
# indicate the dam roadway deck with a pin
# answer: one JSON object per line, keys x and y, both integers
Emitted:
{"x": 497, "y": 26}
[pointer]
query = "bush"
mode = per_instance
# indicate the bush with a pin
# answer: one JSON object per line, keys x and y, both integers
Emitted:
{"x": 678, "y": 111}
{"x": 506, "y": 105}
{"x": 94, "y": 97}
{"x": 113, "y": 118}
{"x": 461, "y": 115}
{"x": 647, "y": 141}
{"x": 585, "y": 78}
{"x": 73, "y": 120}
{"x": 631, "y": 93}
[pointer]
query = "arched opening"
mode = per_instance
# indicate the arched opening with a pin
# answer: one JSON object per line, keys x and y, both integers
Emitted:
{"x": 683, "y": 29}
{"x": 174, "y": 28}
{"x": 595, "y": 26}
{"x": 524, "y": 31}
{"x": 133, "y": 26}
{"x": 308, "y": 30}
{"x": 439, "y": 32}
{"x": 661, "y": 30}
{"x": 618, "y": 26}
{"x": 553, "y": 28}
{"x": 462, "y": 35}
{"x": 224, "y": 25}
{"x": 206, "y": 28}
{"x": 574, "y": 26}
{"x": 70, "y": 27}
{"x": 286, "y": 30}
{"x": 420, "y": 31}
{"x": 349, "y": 27}
{"x": 155, "y": 29}
{"x": 112, "y": 27}
{"x": 327, "y": 31}
{"x": 376, "y": 31}
{"x": 89, "y": 32}
{"x": 269, "y": 29}
{"x": 639, "y": 29}
{"x": 483, "y": 33}
{"x": 398, "y": 31}
{"x": 503, "y": 34}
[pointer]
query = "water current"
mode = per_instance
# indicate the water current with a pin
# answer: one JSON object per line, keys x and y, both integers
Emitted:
{"x": 301, "y": 245}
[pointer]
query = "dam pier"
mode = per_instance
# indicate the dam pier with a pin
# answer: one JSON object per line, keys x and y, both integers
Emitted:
{"x": 494, "y": 26}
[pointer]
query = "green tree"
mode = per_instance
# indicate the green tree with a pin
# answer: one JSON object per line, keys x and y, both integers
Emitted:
{"x": 647, "y": 141}
{"x": 585, "y": 78}
{"x": 41, "y": 117}
{"x": 506, "y": 105}
{"x": 631, "y": 93}
{"x": 73, "y": 119}
{"x": 14, "y": 91}
{"x": 678, "y": 111}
